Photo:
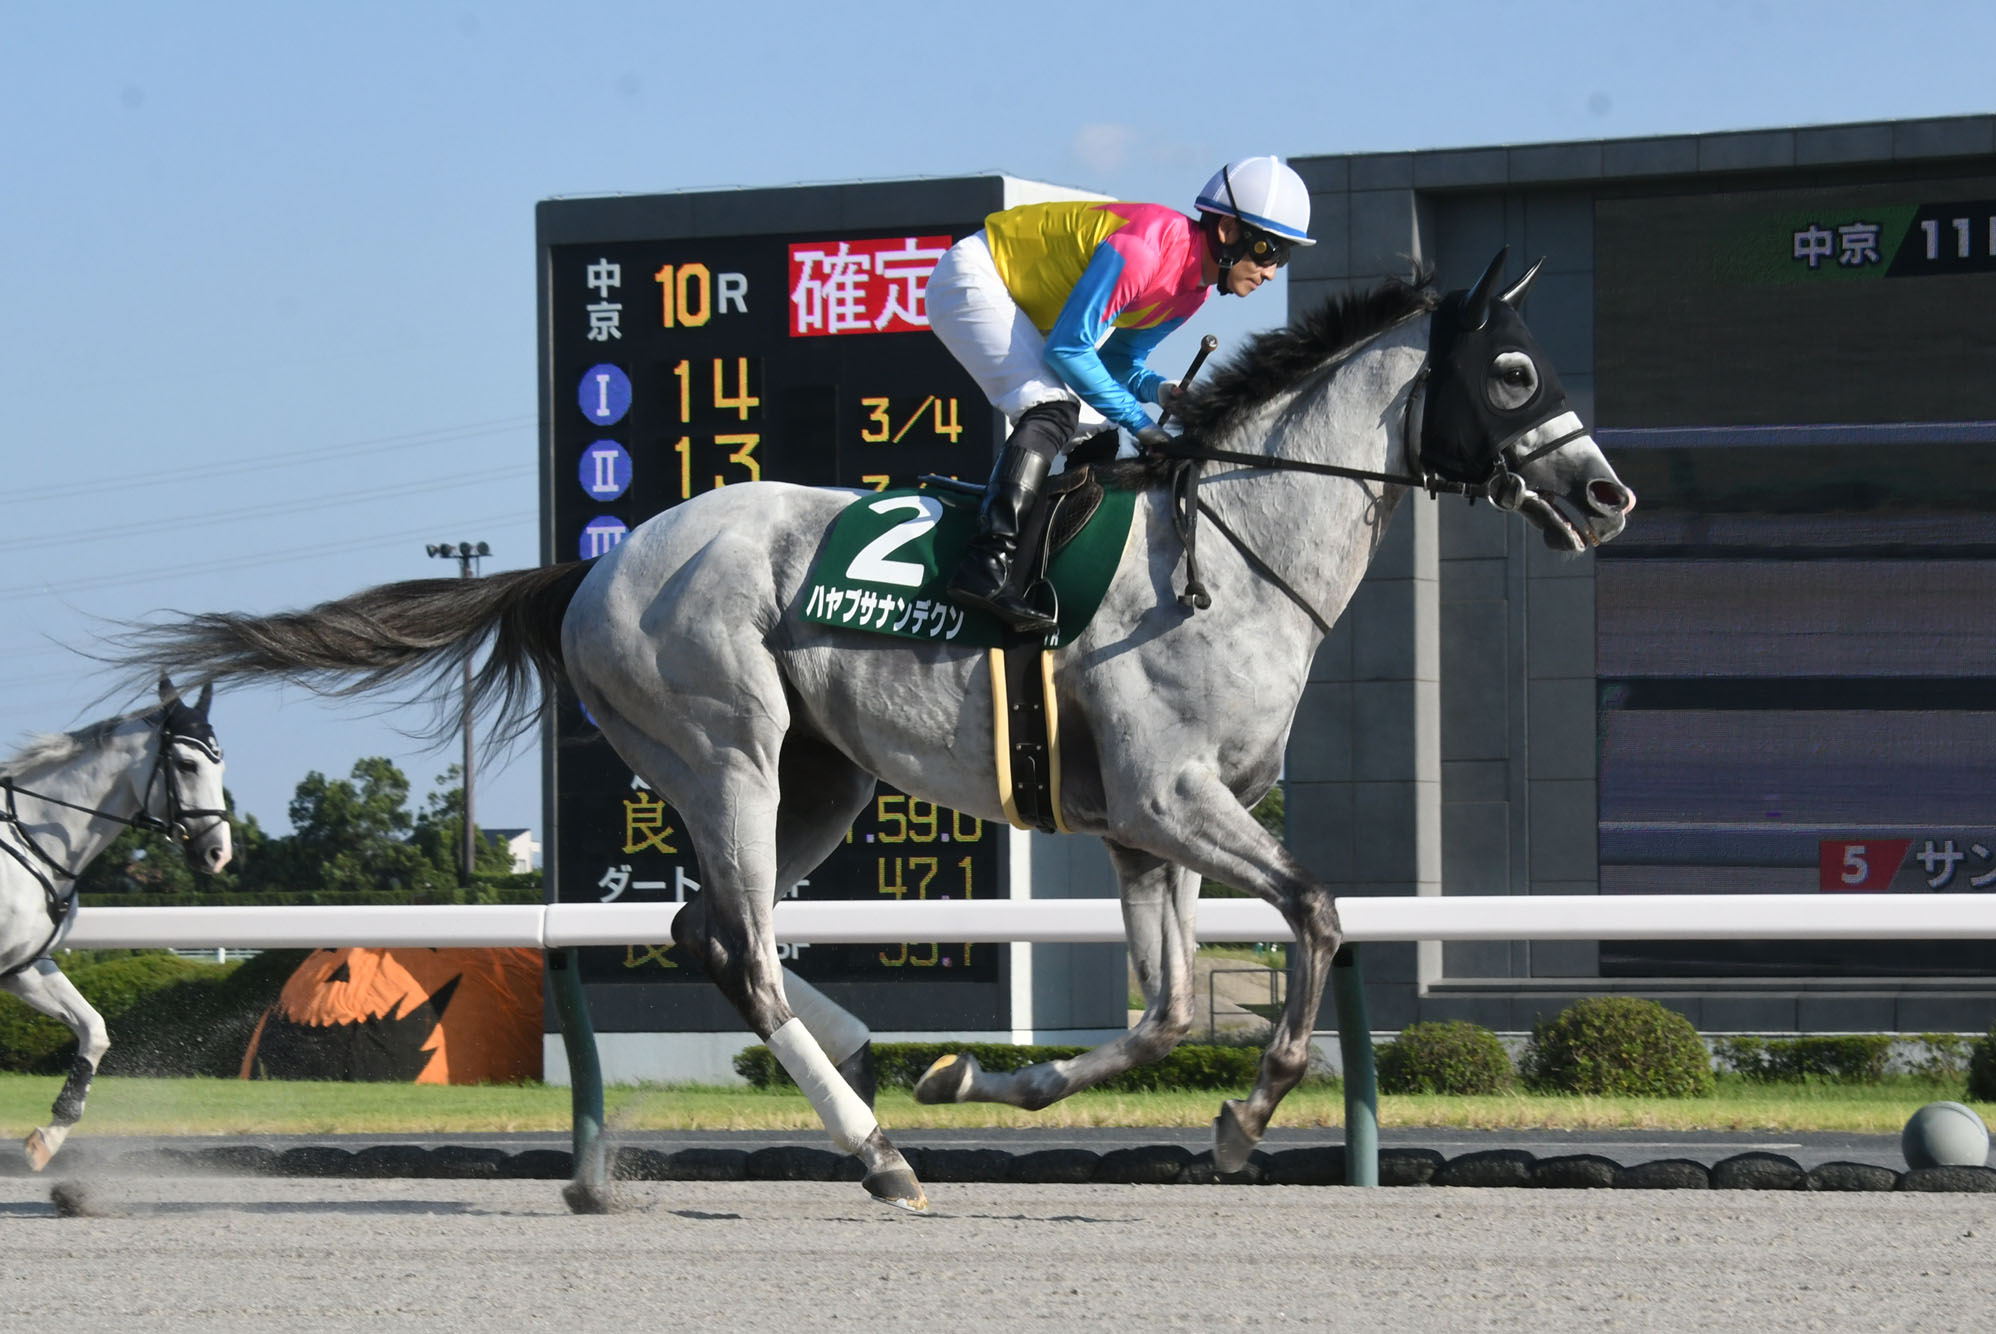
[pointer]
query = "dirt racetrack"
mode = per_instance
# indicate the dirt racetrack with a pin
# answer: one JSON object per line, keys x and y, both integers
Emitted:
{"x": 186, "y": 1253}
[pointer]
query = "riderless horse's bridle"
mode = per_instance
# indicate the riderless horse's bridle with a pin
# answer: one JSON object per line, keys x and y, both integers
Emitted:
{"x": 177, "y": 725}
{"x": 1501, "y": 481}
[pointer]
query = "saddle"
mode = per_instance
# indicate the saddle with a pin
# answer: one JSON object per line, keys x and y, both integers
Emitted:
{"x": 881, "y": 570}
{"x": 1067, "y": 502}
{"x": 885, "y": 560}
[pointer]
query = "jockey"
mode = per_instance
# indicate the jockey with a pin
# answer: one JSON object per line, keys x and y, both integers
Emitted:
{"x": 1052, "y": 308}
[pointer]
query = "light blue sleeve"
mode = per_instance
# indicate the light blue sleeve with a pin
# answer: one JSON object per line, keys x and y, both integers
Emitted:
{"x": 1085, "y": 319}
{"x": 1127, "y": 350}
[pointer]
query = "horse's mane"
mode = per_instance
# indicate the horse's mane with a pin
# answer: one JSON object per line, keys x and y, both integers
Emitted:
{"x": 46, "y": 748}
{"x": 1279, "y": 358}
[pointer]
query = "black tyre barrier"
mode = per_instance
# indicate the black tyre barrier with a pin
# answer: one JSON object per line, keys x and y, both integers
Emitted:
{"x": 1202, "y": 1171}
{"x": 539, "y": 1165}
{"x": 1408, "y": 1167}
{"x": 1949, "y": 1179}
{"x": 459, "y": 1163}
{"x": 1152, "y": 1165}
{"x": 1306, "y": 1167}
{"x": 1066, "y": 1167}
{"x": 1665, "y": 1174}
{"x": 1759, "y": 1171}
{"x": 797, "y": 1163}
{"x": 1162, "y": 1164}
{"x": 952, "y": 1165}
{"x": 393, "y": 1162}
{"x": 1575, "y": 1171}
{"x": 1853, "y": 1176}
{"x": 1487, "y": 1167}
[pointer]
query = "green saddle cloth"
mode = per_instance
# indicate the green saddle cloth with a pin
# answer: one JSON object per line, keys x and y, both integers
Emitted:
{"x": 883, "y": 567}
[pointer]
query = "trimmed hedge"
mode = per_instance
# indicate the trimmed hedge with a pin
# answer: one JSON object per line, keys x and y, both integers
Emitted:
{"x": 1946, "y": 1058}
{"x": 1857, "y": 1058}
{"x": 167, "y": 1015}
{"x": 901, "y": 1064}
{"x": 1618, "y": 1045}
{"x": 1454, "y": 1057}
{"x": 1982, "y": 1068}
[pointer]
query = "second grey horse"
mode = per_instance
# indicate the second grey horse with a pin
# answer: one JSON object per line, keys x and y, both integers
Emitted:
{"x": 767, "y": 734}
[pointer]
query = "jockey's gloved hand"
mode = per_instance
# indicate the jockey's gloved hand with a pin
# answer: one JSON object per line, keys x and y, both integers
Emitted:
{"x": 1152, "y": 436}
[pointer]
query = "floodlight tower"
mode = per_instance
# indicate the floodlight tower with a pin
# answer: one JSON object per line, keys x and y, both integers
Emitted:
{"x": 467, "y": 555}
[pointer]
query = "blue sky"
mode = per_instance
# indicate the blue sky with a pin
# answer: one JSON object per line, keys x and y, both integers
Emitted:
{"x": 267, "y": 306}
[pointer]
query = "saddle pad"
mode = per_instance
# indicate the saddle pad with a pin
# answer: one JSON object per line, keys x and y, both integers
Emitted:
{"x": 883, "y": 567}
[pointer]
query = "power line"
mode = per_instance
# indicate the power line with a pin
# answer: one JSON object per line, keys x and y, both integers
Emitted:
{"x": 420, "y": 486}
{"x": 261, "y": 558}
{"x": 264, "y": 462}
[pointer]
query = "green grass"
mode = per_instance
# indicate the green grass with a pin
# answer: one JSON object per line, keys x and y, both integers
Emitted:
{"x": 1261, "y": 956}
{"x": 130, "y": 1106}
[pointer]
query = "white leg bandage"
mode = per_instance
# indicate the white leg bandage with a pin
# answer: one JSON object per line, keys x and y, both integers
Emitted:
{"x": 839, "y": 1032}
{"x": 842, "y": 1111}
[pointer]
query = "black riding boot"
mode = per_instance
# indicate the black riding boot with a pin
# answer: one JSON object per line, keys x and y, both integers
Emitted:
{"x": 991, "y": 575}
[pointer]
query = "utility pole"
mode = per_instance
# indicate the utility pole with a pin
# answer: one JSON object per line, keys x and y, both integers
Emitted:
{"x": 466, "y": 554}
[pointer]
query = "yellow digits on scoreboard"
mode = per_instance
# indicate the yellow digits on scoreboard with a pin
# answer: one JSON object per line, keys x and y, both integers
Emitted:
{"x": 876, "y": 412}
{"x": 741, "y": 402}
{"x": 878, "y": 425}
{"x": 745, "y": 456}
{"x": 686, "y": 295}
{"x": 953, "y": 428}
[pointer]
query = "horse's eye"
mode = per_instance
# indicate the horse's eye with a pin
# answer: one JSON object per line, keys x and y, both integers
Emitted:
{"x": 1513, "y": 381}
{"x": 186, "y": 766}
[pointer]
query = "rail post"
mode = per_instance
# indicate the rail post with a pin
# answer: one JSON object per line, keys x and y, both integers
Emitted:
{"x": 585, "y": 1071}
{"x": 1361, "y": 1084}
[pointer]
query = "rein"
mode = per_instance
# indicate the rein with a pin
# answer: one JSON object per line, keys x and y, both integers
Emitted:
{"x": 1504, "y": 488}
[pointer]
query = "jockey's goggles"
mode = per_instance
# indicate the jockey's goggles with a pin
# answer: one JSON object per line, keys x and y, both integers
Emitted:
{"x": 1265, "y": 248}
{"x": 1257, "y": 244}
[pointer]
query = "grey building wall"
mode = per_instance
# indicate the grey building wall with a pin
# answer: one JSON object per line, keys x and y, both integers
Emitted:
{"x": 1446, "y": 743}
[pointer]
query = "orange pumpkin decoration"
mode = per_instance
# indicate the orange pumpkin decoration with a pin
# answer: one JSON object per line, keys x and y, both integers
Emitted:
{"x": 432, "y": 1016}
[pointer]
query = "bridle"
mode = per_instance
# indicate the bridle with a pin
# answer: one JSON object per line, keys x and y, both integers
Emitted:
{"x": 58, "y": 881}
{"x": 1502, "y": 483}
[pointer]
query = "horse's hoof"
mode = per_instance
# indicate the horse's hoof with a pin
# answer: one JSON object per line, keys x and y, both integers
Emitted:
{"x": 1231, "y": 1141}
{"x": 948, "y": 1080}
{"x": 898, "y": 1187}
{"x": 40, "y": 1148}
{"x": 592, "y": 1197}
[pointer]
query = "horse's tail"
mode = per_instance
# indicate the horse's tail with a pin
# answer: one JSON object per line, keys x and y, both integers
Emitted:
{"x": 420, "y": 631}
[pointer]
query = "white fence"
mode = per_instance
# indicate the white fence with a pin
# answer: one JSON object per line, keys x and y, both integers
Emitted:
{"x": 1366, "y": 920}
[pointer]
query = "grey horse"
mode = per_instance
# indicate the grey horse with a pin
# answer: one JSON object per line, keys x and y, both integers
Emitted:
{"x": 767, "y": 734}
{"x": 67, "y": 795}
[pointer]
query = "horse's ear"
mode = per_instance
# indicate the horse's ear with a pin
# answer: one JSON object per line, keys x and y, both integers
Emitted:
{"x": 167, "y": 691}
{"x": 1518, "y": 288}
{"x": 204, "y": 699}
{"x": 1476, "y": 306}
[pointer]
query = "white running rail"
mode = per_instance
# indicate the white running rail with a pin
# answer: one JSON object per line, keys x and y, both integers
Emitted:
{"x": 1366, "y": 920}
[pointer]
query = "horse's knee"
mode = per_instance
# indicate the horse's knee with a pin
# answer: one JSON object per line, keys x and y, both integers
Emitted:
{"x": 1283, "y": 1065}
{"x": 1317, "y": 914}
{"x": 692, "y": 932}
{"x": 1153, "y": 1040}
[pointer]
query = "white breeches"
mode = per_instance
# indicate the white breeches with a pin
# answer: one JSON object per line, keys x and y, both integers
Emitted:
{"x": 984, "y": 329}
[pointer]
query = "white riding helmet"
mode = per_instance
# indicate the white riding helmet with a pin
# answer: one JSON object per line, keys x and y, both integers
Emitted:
{"x": 1263, "y": 192}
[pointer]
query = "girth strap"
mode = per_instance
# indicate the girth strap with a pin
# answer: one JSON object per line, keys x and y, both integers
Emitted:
{"x": 1025, "y": 724}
